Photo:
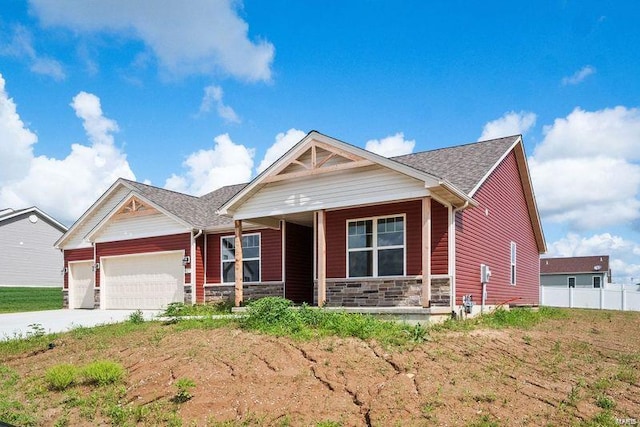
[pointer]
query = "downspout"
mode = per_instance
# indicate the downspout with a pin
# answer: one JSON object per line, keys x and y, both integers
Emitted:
{"x": 453, "y": 279}
{"x": 194, "y": 265}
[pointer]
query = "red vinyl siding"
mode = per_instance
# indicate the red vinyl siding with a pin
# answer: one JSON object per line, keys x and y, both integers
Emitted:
{"x": 198, "y": 264}
{"x": 140, "y": 246}
{"x": 337, "y": 239}
{"x": 484, "y": 234}
{"x": 212, "y": 260}
{"x": 270, "y": 255}
{"x": 84, "y": 254}
{"x": 439, "y": 238}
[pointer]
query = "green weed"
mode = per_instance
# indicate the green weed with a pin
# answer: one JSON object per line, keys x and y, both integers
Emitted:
{"x": 605, "y": 402}
{"x": 60, "y": 377}
{"x": 136, "y": 317}
{"x": 183, "y": 393}
{"x": 103, "y": 372}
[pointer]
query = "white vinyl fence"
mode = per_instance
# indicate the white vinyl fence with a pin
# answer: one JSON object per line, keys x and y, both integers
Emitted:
{"x": 606, "y": 299}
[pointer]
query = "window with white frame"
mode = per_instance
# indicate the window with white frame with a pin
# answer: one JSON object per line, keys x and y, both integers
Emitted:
{"x": 597, "y": 281}
{"x": 250, "y": 258}
{"x": 376, "y": 247}
{"x": 513, "y": 263}
{"x": 571, "y": 281}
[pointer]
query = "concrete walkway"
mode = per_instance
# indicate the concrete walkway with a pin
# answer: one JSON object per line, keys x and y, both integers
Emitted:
{"x": 16, "y": 325}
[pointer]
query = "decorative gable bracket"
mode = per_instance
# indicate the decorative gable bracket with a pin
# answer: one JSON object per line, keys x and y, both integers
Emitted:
{"x": 319, "y": 158}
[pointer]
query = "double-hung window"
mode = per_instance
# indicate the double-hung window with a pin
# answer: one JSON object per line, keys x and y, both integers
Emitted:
{"x": 250, "y": 258}
{"x": 376, "y": 247}
{"x": 597, "y": 281}
{"x": 513, "y": 263}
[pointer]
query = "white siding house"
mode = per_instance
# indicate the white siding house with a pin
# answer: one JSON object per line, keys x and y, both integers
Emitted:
{"x": 27, "y": 255}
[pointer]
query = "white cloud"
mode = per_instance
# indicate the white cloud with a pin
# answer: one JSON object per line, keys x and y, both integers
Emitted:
{"x": 64, "y": 188}
{"x": 613, "y": 132}
{"x": 16, "y": 141}
{"x": 585, "y": 171}
{"x": 227, "y": 163}
{"x": 213, "y": 94}
{"x": 579, "y": 76}
{"x": 392, "y": 145}
{"x": 283, "y": 143}
{"x": 21, "y": 46}
{"x": 202, "y": 36}
{"x": 510, "y": 123}
{"x": 623, "y": 253}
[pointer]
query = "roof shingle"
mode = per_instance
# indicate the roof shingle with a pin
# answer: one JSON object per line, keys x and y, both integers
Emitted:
{"x": 581, "y": 264}
{"x": 464, "y": 165}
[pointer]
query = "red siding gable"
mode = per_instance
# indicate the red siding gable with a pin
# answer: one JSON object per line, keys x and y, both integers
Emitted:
{"x": 484, "y": 234}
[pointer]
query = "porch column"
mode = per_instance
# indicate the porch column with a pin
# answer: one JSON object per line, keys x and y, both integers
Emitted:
{"x": 238, "y": 262}
{"x": 426, "y": 252}
{"x": 322, "y": 260}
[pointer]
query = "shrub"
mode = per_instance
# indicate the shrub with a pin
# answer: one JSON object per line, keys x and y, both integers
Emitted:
{"x": 61, "y": 376}
{"x": 103, "y": 372}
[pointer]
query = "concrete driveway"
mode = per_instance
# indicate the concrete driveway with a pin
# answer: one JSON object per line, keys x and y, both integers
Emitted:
{"x": 14, "y": 325}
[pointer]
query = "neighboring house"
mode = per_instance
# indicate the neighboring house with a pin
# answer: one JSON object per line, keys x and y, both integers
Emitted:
{"x": 328, "y": 223}
{"x": 27, "y": 255}
{"x": 575, "y": 272}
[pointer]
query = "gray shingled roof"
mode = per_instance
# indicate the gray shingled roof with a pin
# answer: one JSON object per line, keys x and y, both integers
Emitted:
{"x": 199, "y": 212}
{"x": 463, "y": 165}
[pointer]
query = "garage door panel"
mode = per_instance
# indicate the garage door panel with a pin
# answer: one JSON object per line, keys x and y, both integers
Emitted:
{"x": 81, "y": 282}
{"x": 149, "y": 281}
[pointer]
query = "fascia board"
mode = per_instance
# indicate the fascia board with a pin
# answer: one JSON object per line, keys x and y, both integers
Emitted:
{"x": 88, "y": 212}
{"x": 91, "y": 234}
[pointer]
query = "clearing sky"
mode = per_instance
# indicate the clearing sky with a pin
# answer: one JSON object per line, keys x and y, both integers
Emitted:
{"x": 194, "y": 98}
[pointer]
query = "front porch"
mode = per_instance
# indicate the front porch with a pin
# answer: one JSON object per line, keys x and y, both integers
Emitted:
{"x": 377, "y": 233}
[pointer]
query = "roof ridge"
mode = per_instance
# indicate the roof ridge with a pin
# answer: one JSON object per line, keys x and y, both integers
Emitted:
{"x": 160, "y": 188}
{"x": 453, "y": 147}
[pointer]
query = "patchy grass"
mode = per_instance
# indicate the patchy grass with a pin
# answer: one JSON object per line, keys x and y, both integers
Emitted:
{"x": 524, "y": 367}
{"x": 20, "y": 299}
{"x": 277, "y": 316}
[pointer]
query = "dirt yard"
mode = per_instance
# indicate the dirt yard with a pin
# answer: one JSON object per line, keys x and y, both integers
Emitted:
{"x": 568, "y": 371}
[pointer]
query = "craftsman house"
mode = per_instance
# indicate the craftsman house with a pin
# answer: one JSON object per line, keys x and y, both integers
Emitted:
{"x": 575, "y": 272}
{"x": 329, "y": 224}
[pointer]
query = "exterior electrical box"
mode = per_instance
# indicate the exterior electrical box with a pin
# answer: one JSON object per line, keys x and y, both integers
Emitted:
{"x": 485, "y": 273}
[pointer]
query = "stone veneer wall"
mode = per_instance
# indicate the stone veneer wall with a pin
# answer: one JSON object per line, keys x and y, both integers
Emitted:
{"x": 440, "y": 292}
{"x": 65, "y": 298}
{"x": 96, "y": 298}
{"x": 382, "y": 292}
{"x": 187, "y": 295}
{"x": 253, "y": 291}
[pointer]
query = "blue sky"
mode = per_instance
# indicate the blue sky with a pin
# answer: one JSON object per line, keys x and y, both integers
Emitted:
{"x": 192, "y": 98}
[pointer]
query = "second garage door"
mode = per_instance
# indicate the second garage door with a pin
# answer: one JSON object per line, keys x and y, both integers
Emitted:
{"x": 149, "y": 281}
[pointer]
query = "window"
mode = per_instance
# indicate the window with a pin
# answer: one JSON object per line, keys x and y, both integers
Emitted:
{"x": 597, "y": 281}
{"x": 513, "y": 263}
{"x": 571, "y": 281}
{"x": 250, "y": 258}
{"x": 375, "y": 247}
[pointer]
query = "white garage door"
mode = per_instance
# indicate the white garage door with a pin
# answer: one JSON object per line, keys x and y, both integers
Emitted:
{"x": 149, "y": 281}
{"x": 81, "y": 278}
